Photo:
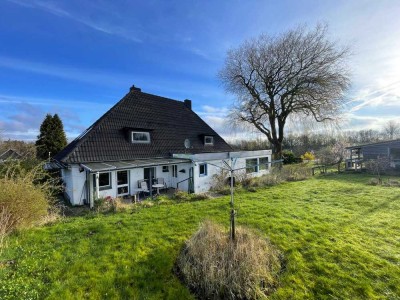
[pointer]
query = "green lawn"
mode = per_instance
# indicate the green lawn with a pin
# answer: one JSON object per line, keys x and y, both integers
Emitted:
{"x": 340, "y": 238}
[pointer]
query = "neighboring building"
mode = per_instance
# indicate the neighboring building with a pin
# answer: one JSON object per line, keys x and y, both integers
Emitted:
{"x": 142, "y": 138}
{"x": 10, "y": 154}
{"x": 362, "y": 153}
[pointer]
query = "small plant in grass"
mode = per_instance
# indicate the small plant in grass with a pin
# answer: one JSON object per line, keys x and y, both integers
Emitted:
{"x": 104, "y": 205}
{"x": 183, "y": 196}
{"x": 216, "y": 267}
{"x": 180, "y": 196}
{"x": 373, "y": 181}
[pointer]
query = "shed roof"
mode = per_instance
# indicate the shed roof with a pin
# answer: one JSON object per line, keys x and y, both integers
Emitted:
{"x": 10, "y": 154}
{"x": 374, "y": 144}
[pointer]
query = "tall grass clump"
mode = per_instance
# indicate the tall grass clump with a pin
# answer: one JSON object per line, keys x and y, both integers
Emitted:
{"x": 215, "y": 267}
{"x": 25, "y": 198}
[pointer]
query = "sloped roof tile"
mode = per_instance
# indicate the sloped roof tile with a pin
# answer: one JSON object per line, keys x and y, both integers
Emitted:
{"x": 169, "y": 122}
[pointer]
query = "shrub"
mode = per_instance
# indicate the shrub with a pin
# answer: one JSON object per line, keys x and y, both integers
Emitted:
{"x": 289, "y": 158}
{"x": 25, "y": 198}
{"x": 104, "y": 205}
{"x": 215, "y": 267}
{"x": 219, "y": 180}
{"x": 279, "y": 175}
{"x": 295, "y": 172}
{"x": 308, "y": 156}
{"x": 198, "y": 197}
{"x": 180, "y": 196}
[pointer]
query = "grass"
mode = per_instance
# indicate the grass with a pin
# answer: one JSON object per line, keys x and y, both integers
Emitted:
{"x": 340, "y": 238}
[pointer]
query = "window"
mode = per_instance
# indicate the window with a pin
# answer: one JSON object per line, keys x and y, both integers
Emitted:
{"x": 263, "y": 163}
{"x": 165, "y": 169}
{"x": 122, "y": 183}
{"x": 251, "y": 165}
{"x": 140, "y": 137}
{"x": 175, "y": 171}
{"x": 208, "y": 140}
{"x": 104, "y": 181}
{"x": 202, "y": 170}
{"x": 395, "y": 153}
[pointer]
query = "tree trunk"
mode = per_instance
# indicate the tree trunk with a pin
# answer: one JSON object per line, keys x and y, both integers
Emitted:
{"x": 278, "y": 149}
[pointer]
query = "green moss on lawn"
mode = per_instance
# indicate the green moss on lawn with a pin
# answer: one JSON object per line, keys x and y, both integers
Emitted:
{"x": 340, "y": 238}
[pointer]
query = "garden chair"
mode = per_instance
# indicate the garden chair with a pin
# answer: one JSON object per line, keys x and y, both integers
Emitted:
{"x": 144, "y": 187}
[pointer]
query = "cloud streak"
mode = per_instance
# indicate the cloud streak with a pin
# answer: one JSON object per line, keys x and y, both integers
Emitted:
{"x": 53, "y": 9}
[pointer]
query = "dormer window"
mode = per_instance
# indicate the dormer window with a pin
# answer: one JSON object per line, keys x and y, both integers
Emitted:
{"x": 208, "y": 140}
{"x": 139, "y": 137}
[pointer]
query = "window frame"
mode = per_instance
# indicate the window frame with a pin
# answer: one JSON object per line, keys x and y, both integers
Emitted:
{"x": 253, "y": 168}
{"x": 263, "y": 166}
{"x": 204, "y": 173}
{"x": 148, "y": 141}
{"x": 123, "y": 185}
{"x": 165, "y": 169}
{"x": 103, "y": 187}
{"x": 208, "y": 143}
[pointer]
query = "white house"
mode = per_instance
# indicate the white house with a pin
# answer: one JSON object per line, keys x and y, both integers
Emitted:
{"x": 145, "y": 137}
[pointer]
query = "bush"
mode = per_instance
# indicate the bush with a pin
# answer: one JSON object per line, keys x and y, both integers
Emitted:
{"x": 308, "y": 156}
{"x": 25, "y": 198}
{"x": 290, "y": 158}
{"x": 278, "y": 175}
{"x": 180, "y": 196}
{"x": 215, "y": 267}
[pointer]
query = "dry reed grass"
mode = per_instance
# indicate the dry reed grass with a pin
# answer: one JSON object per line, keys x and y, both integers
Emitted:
{"x": 215, "y": 267}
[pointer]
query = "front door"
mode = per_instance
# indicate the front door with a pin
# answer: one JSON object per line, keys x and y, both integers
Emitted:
{"x": 149, "y": 173}
{"x": 122, "y": 183}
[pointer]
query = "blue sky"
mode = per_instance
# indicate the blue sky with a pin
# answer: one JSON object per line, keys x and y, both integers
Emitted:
{"x": 78, "y": 58}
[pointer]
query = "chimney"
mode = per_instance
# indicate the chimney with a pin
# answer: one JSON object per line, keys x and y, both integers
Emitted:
{"x": 134, "y": 89}
{"x": 188, "y": 103}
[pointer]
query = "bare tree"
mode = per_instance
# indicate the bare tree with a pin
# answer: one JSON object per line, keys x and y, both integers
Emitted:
{"x": 334, "y": 154}
{"x": 298, "y": 73}
{"x": 391, "y": 129}
{"x": 378, "y": 166}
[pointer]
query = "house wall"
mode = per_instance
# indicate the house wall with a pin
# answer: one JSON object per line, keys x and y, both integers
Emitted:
{"x": 203, "y": 184}
{"x": 372, "y": 151}
{"x": 74, "y": 182}
{"x": 76, "y": 189}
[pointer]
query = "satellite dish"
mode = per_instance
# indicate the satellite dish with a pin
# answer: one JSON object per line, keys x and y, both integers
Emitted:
{"x": 187, "y": 143}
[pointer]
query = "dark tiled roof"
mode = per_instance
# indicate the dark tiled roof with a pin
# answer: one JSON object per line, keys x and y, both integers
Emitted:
{"x": 170, "y": 122}
{"x": 10, "y": 154}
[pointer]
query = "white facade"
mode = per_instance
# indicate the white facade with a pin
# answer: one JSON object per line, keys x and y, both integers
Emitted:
{"x": 215, "y": 165}
{"x": 80, "y": 183}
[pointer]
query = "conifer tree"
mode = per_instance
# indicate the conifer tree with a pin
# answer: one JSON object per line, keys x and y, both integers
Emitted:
{"x": 52, "y": 137}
